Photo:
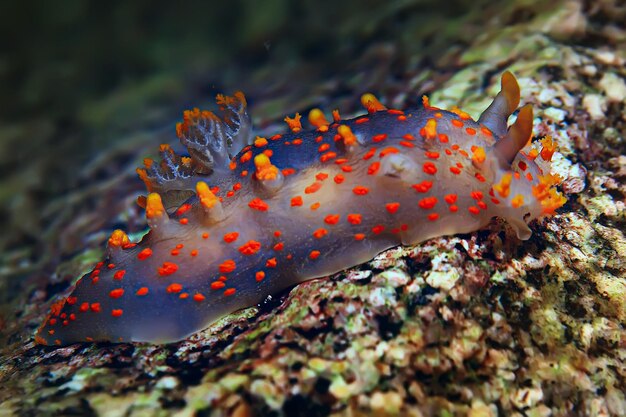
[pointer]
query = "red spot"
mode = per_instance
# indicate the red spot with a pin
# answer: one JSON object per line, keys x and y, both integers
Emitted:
{"x": 386, "y": 151}
{"x": 479, "y": 177}
{"x": 482, "y": 205}
{"x": 246, "y": 157}
{"x": 392, "y": 207}
{"x": 346, "y": 168}
{"x": 423, "y": 186}
{"x": 296, "y": 201}
{"x": 296, "y": 142}
{"x": 174, "y": 288}
{"x": 476, "y": 195}
{"x": 197, "y": 297}
{"x": 320, "y": 233}
{"x": 359, "y": 190}
{"x": 443, "y": 138}
{"x": 205, "y": 235}
{"x": 193, "y": 253}
{"x": 111, "y": 266}
{"x": 408, "y": 136}
{"x": 433, "y": 216}
{"x": 341, "y": 161}
{"x": 323, "y": 147}
{"x": 328, "y": 156}
{"x": 229, "y": 291}
{"x": 457, "y": 123}
{"x": 428, "y": 203}
{"x": 453, "y": 208}
{"x": 473, "y": 210}
{"x": 338, "y": 178}
{"x": 231, "y": 237}
{"x": 276, "y": 137}
{"x": 321, "y": 176}
{"x": 315, "y": 206}
{"x": 407, "y": 144}
{"x": 83, "y": 308}
{"x": 142, "y": 291}
{"x": 369, "y": 154}
{"x": 250, "y": 247}
{"x": 432, "y": 155}
{"x": 279, "y": 246}
{"x": 354, "y": 218}
{"x": 259, "y": 276}
{"x": 216, "y": 285}
{"x": 373, "y": 168}
{"x": 378, "y": 229}
{"x": 95, "y": 307}
{"x": 184, "y": 221}
{"x": 314, "y": 254}
{"x": 361, "y": 120}
{"x": 71, "y": 300}
{"x": 379, "y": 138}
{"x": 359, "y": 236}
{"x": 331, "y": 219}
{"x": 271, "y": 263}
{"x": 258, "y": 204}
{"x": 277, "y": 233}
{"x": 116, "y": 293}
{"x": 288, "y": 171}
{"x": 450, "y": 198}
{"x": 227, "y": 266}
{"x": 430, "y": 168}
{"x": 119, "y": 274}
{"x": 183, "y": 209}
{"x": 117, "y": 312}
{"x": 144, "y": 254}
{"x": 313, "y": 188}
{"x": 455, "y": 170}
{"x": 168, "y": 268}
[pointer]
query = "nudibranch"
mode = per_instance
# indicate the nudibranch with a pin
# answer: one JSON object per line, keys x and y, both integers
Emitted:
{"x": 241, "y": 217}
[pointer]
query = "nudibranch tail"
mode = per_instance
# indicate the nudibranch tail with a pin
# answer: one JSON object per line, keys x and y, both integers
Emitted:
{"x": 242, "y": 217}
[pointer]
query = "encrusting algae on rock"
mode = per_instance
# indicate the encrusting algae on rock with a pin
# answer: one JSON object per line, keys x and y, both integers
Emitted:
{"x": 242, "y": 218}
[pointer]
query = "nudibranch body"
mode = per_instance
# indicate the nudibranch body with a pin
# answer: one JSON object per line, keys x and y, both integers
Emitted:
{"x": 241, "y": 218}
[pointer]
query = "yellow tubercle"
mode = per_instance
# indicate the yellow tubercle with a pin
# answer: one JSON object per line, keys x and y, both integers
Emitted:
{"x": 294, "y": 123}
{"x": 503, "y": 188}
{"x": 371, "y": 103}
{"x": 478, "y": 155}
{"x": 430, "y": 129}
{"x": 265, "y": 170}
{"x": 154, "y": 207}
{"x": 118, "y": 239}
{"x": 317, "y": 118}
{"x": 517, "y": 201}
{"x": 259, "y": 142}
{"x": 346, "y": 134}
{"x": 205, "y": 195}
